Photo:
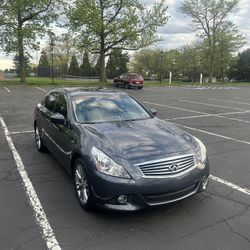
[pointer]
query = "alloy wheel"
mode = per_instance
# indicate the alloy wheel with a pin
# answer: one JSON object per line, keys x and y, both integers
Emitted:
{"x": 81, "y": 184}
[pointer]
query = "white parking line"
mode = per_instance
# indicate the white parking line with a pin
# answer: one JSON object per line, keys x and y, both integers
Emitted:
{"x": 41, "y": 89}
{"x": 211, "y": 115}
{"x": 7, "y": 89}
{"x": 221, "y": 100}
{"x": 212, "y": 105}
{"x": 172, "y": 107}
{"x": 21, "y": 132}
{"x": 240, "y": 98}
{"x": 230, "y": 184}
{"x": 40, "y": 216}
{"x": 213, "y": 134}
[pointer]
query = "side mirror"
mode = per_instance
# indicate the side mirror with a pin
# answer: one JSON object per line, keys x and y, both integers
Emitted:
{"x": 153, "y": 111}
{"x": 57, "y": 119}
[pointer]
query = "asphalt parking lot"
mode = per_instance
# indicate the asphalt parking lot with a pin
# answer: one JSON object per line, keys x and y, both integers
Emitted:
{"x": 38, "y": 208}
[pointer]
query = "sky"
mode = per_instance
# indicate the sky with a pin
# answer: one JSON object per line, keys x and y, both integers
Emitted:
{"x": 176, "y": 33}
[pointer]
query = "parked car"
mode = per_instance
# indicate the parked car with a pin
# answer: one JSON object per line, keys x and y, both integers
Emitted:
{"x": 119, "y": 154}
{"x": 129, "y": 80}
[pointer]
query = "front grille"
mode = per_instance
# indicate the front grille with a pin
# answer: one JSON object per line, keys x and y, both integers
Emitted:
{"x": 168, "y": 166}
{"x": 168, "y": 197}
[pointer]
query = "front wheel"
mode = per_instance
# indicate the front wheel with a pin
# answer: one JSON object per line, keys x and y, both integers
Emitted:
{"x": 38, "y": 139}
{"x": 115, "y": 84}
{"x": 82, "y": 186}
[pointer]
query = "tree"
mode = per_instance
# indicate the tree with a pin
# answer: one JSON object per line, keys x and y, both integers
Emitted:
{"x": 209, "y": 17}
{"x": 192, "y": 61}
{"x": 44, "y": 66}
{"x": 243, "y": 66}
{"x": 85, "y": 68}
{"x": 20, "y": 22}
{"x": 146, "y": 62}
{"x": 117, "y": 63}
{"x": 64, "y": 49}
{"x": 17, "y": 65}
{"x": 73, "y": 67}
{"x": 103, "y": 25}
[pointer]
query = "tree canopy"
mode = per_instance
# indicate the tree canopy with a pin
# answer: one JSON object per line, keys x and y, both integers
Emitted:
{"x": 20, "y": 23}
{"x": 210, "y": 19}
{"x": 103, "y": 25}
{"x": 73, "y": 67}
{"x": 117, "y": 63}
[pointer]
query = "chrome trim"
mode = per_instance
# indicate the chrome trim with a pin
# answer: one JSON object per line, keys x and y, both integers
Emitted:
{"x": 163, "y": 159}
{"x": 159, "y": 164}
{"x": 64, "y": 152}
{"x": 174, "y": 200}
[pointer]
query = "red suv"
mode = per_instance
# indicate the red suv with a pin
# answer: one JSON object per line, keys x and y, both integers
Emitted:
{"x": 129, "y": 80}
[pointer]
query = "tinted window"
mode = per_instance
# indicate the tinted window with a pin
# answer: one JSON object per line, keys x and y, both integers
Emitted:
{"x": 107, "y": 108}
{"x": 124, "y": 77}
{"x": 136, "y": 77}
{"x": 61, "y": 105}
{"x": 50, "y": 100}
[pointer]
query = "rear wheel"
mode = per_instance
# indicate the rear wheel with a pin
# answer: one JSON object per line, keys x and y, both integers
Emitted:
{"x": 126, "y": 86}
{"x": 38, "y": 139}
{"x": 82, "y": 186}
{"x": 140, "y": 87}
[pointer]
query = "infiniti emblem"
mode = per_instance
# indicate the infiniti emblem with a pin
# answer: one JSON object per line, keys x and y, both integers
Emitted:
{"x": 173, "y": 167}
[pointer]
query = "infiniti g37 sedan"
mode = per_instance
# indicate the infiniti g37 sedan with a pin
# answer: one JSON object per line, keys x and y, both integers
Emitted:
{"x": 119, "y": 154}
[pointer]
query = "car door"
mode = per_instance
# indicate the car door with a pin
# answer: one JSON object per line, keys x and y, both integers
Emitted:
{"x": 62, "y": 134}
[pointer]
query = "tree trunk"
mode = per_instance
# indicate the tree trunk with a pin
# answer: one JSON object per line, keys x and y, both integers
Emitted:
{"x": 103, "y": 77}
{"x": 21, "y": 51}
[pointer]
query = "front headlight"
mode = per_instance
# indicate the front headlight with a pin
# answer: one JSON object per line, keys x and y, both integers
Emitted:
{"x": 201, "y": 153}
{"x": 107, "y": 166}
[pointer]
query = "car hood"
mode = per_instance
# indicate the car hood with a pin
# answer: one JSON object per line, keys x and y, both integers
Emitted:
{"x": 140, "y": 139}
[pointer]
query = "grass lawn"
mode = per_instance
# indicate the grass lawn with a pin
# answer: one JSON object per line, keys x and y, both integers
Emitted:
{"x": 75, "y": 82}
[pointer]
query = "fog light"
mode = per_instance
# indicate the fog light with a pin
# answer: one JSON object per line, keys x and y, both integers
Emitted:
{"x": 204, "y": 183}
{"x": 122, "y": 199}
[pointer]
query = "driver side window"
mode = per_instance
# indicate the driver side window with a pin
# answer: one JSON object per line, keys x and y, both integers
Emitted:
{"x": 50, "y": 101}
{"x": 61, "y": 106}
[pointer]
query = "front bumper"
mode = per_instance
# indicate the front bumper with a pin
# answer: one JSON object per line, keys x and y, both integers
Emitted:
{"x": 146, "y": 192}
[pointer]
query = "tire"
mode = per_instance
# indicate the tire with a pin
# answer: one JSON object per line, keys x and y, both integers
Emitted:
{"x": 126, "y": 86}
{"x": 82, "y": 186}
{"x": 38, "y": 140}
{"x": 140, "y": 87}
{"x": 115, "y": 84}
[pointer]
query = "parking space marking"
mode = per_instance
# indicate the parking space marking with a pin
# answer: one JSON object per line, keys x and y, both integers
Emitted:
{"x": 240, "y": 98}
{"x": 41, "y": 89}
{"x": 212, "y": 105}
{"x": 21, "y": 132}
{"x": 40, "y": 216}
{"x": 221, "y": 100}
{"x": 230, "y": 184}
{"x": 7, "y": 89}
{"x": 172, "y": 107}
{"x": 211, "y": 115}
{"x": 213, "y": 134}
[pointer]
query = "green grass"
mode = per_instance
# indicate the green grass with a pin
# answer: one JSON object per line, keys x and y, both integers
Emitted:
{"x": 47, "y": 81}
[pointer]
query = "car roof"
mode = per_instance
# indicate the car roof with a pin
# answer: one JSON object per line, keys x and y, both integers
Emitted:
{"x": 73, "y": 91}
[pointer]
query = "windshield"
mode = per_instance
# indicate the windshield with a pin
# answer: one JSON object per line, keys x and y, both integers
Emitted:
{"x": 107, "y": 108}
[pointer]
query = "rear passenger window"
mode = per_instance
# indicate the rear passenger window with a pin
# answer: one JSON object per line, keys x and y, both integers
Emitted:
{"x": 50, "y": 100}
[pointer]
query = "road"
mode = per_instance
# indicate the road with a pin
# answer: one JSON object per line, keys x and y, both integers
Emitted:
{"x": 216, "y": 219}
